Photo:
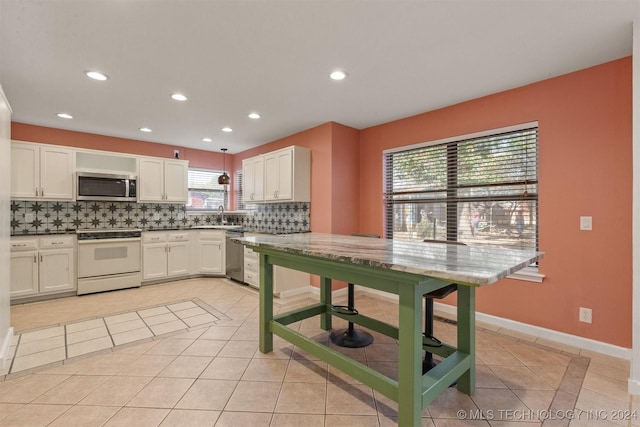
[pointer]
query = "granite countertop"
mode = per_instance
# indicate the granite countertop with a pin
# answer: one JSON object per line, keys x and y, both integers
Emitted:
{"x": 475, "y": 265}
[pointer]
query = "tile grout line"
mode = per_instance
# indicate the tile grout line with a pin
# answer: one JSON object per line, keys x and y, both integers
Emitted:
{"x": 109, "y": 332}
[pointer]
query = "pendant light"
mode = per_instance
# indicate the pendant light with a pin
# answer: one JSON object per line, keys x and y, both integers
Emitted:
{"x": 224, "y": 178}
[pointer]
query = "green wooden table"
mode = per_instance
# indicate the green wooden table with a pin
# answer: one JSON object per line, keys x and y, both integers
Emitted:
{"x": 407, "y": 269}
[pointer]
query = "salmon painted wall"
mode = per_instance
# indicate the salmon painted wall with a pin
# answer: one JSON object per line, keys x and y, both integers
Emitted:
{"x": 585, "y": 168}
{"x": 48, "y": 135}
{"x": 344, "y": 175}
{"x": 334, "y": 177}
{"x": 334, "y": 174}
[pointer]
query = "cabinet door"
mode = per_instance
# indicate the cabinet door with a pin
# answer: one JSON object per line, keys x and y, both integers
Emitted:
{"x": 154, "y": 261}
{"x": 285, "y": 279}
{"x": 253, "y": 179}
{"x": 56, "y": 173}
{"x": 25, "y": 171}
{"x": 271, "y": 177}
{"x": 210, "y": 254}
{"x": 285, "y": 175}
{"x": 56, "y": 270}
{"x": 178, "y": 259}
{"x": 175, "y": 181}
{"x": 151, "y": 180}
{"x": 278, "y": 175}
{"x": 248, "y": 173}
{"x": 24, "y": 274}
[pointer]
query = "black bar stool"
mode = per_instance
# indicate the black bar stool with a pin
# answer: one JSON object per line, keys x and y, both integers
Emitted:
{"x": 428, "y": 363}
{"x": 351, "y": 337}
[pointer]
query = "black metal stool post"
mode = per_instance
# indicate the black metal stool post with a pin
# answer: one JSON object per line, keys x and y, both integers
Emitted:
{"x": 428, "y": 362}
{"x": 351, "y": 337}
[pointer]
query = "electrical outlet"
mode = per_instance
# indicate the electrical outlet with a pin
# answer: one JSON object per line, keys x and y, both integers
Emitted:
{"x": 176, "y": 154}
{"x": 28, "y": 217}
{"x": 156, "y": 216}
{"x": 586, "y": 223}
{"x": 585, "y": 315}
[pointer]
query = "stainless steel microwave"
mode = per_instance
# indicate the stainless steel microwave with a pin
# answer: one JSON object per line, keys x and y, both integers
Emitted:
{"x": 106, "y": 187}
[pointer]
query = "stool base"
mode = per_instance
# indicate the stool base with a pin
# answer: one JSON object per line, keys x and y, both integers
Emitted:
{"x": 351, "y": 338}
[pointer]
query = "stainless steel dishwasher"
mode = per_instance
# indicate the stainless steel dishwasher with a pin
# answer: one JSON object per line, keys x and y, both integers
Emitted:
{"x": 234, "y": 256}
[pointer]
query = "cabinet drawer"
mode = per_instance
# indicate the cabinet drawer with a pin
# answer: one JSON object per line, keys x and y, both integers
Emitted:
{"x": 24, "y": 245}
{"x": 154, "y": 237}
{"x": 251, "y": 265}
{"x": 212, "y": 235}
{"x": 249, "y": 253}
{"x": 251, "y": 278}
{"x": 179, "y": 237}
{"x": 56, "y": 242}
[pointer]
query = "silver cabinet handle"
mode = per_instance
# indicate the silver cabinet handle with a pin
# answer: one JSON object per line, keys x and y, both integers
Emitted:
{"x": 35, "y": 259}
{"x": 36, "y": 191}
{"x": 42, "y": 192}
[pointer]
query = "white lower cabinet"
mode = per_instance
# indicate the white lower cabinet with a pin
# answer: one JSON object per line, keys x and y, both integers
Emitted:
{"x": 211, "y": 256}
{"x": 164, "y": 254}
{"x": 286, "y": 282}
{"x": 42, "y": 265}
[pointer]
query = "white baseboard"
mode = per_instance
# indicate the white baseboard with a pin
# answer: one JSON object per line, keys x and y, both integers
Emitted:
{"x": 633, "y": 387}
{"x": 4, "y": 348}
{"x": 561, "y": 338}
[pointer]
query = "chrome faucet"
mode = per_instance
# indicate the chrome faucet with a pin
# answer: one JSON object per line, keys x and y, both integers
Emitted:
{"x": 221, "y": 210}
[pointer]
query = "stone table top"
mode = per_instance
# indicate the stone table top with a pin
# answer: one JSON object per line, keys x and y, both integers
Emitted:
{"x": 472, "y": 265}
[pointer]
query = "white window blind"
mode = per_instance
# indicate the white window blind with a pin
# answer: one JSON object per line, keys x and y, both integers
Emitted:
{"x": 479, "y": 190}
{"x": 238, "y": 190}
{"x": 204, "y": 191}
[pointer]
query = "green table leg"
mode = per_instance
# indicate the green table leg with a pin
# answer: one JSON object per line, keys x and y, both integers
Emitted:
{"x": 410, "y": 361}
{"x": 266, "y": 304}
{"x": 467, "y": 335}
{"x": 325, "y": 298}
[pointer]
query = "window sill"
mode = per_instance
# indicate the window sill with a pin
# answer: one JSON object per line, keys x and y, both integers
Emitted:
{"x": 528, "y": 274}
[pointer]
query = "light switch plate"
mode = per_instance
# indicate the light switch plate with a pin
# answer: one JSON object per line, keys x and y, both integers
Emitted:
{"x": 586, "y": 223}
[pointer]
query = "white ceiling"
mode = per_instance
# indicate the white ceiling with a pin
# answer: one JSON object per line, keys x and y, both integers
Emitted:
{"x": 235, "y": 57}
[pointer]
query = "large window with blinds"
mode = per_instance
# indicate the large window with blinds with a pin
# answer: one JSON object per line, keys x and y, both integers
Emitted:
{"x": 480, "y": 189}
{"x": 204, "y": 191}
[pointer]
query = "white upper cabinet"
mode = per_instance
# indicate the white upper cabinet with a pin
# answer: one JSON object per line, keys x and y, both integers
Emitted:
{"x": 286, "y": 176}
{"x": 253, "y": 179}
{"x": 161, "y": 180}
{"x": 40, "y": 171}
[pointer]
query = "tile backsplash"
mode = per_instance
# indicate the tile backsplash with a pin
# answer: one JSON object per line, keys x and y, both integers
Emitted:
{"x": 49, "y": 217}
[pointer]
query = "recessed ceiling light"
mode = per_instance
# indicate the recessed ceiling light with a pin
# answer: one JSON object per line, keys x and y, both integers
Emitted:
{"x": 96, "y": 75}
{"x": 254, "y": 116}
{"x": 227, "y": 129}
{"x": 207, "y": 139}
{"x": 145, "y": 129}
{"x": 179, "y": 97}
{"x": 65, "y": 116}
{"x": 338, "y": 75}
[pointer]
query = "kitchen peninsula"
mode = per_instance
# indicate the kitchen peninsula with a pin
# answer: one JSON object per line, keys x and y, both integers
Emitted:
{"x": 407, "y": 269}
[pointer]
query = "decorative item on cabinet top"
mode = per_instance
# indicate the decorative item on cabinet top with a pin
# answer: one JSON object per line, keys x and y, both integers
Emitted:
{"x": 51, "y": 217}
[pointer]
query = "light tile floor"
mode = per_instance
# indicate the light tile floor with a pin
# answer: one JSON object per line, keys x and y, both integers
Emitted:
{"x": 212, "y": 374}
{"x": 57, "y": 343}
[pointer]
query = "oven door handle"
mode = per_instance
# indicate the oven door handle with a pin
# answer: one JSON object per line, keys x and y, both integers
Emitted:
{"x": 114, "y": 240}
